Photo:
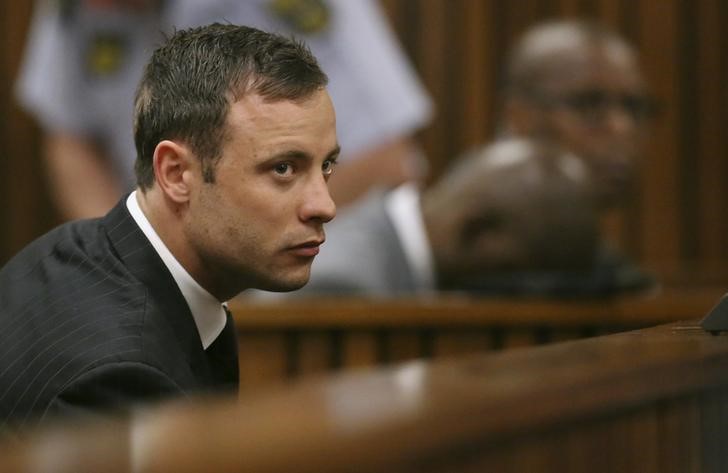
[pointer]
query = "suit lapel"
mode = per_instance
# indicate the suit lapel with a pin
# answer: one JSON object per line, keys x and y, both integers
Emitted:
{"x": 145, "y": 265}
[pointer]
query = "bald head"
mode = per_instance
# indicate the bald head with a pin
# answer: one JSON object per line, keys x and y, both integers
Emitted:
{"x": 515, "y": 205}
{"x": 580, "y": 86}
{"x": 551, "y": 52}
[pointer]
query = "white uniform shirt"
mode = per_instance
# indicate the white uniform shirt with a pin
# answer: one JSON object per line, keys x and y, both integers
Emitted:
{"x": 375, "y": 91}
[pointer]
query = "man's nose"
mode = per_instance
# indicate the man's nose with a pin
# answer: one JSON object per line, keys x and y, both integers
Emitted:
{"x": 318, "y": 204}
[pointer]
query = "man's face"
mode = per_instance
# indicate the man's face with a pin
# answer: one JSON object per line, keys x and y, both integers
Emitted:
{"x": 597, "y": 108}
{"x": 260, "y": 223}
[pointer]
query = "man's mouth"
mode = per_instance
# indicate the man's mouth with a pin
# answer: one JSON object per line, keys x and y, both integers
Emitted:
{"x": 307, "y": 249}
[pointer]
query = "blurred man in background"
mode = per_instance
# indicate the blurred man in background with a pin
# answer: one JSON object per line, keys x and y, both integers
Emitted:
{"x": 580, "y": 86}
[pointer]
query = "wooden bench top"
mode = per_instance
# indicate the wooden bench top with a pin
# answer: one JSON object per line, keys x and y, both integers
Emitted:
{"x": 631, "y": 396}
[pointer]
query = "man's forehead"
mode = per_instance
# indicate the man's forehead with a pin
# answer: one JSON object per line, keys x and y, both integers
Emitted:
{"x": 258, "y": 110}
{"x": 303, "y": 127}
{"x": 603, "y": 64}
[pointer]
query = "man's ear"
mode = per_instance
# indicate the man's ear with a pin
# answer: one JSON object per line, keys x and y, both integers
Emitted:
{"x": 174, "y": 166}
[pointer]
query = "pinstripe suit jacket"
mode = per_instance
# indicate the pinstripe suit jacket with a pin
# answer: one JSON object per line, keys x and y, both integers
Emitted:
{"x": 92, "y": 320}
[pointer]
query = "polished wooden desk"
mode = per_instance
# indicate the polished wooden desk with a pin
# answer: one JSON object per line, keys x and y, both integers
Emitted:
{"x": 284, "y": 340}
{"x": 653, "y": 400}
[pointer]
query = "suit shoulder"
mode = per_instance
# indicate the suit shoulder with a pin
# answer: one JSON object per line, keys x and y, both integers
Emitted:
{"x": 66, "y": 305}
{"x": 70, "y": 266}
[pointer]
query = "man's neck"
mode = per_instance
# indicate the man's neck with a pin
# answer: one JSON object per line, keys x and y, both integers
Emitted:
{"x": 166, "y": 219}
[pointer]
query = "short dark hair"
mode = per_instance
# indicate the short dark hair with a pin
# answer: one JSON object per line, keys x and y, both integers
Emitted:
{"x": 191, "y": 81}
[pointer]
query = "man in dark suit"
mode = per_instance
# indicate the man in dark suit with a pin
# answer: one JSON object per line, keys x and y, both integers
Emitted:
{"x": 235, "y": 137}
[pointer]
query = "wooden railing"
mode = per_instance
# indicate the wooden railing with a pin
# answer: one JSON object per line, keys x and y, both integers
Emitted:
{"x": 284, "y": 340}
{"x": 653, "y": 400}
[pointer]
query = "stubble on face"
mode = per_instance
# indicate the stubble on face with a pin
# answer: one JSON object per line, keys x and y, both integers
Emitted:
{"x": 246, "y": 228}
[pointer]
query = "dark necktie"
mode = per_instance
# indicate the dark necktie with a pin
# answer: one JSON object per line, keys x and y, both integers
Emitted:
{"x": 223, "y": 354}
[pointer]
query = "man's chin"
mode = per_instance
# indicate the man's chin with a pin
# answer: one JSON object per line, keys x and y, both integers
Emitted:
{"x": 289, "y": 288}
{"x": 284, "y": 284}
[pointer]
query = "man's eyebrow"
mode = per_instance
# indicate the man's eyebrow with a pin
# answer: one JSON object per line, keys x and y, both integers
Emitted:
{"x": 291, "y": 154}
{"x": 334, "y": 153}
{"x": 298, "y": 154}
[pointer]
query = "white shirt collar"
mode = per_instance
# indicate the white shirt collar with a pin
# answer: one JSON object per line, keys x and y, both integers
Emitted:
{"x": 207, "y": 311}
{"x": 403, "y": 207}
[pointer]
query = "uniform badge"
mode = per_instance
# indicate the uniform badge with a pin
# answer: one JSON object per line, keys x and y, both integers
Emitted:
{"x": 105, "y": 54}
{"x": 304, "y": 16}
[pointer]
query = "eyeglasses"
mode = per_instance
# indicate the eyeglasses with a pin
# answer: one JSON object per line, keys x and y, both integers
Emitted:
{"x": 594, "y": 105}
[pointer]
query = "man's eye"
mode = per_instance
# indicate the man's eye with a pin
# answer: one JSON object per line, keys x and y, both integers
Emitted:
{"x": 328, "y": 166}
{"x": 283, "y": 169}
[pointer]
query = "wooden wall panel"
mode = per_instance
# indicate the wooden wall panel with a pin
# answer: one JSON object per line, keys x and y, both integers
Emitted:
{"x": 263, "y": 359}
{"x": 479, "y": 74}
{"x": 434, "y": 62}
{"x": 360, "y": 349}
{"x": 661, "y": 227}
{"x": 4, "y": 138}
{"x": 710, "y": 198}
{"x": 458, "y": 46}
{"x": 26, "y": 211}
